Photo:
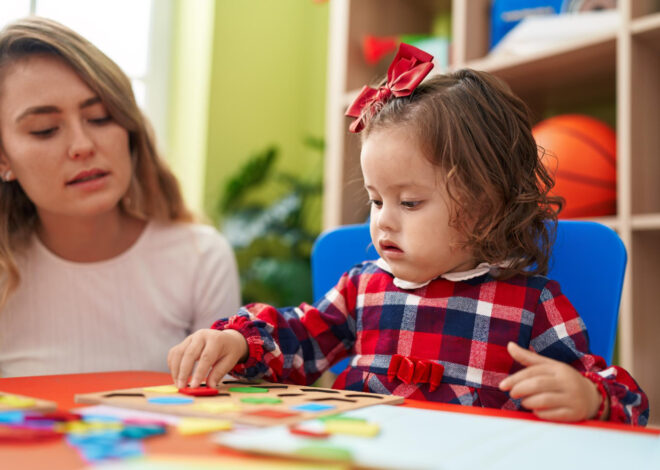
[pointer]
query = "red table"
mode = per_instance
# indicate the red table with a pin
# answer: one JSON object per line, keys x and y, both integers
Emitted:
{"x": 61, "y": 389}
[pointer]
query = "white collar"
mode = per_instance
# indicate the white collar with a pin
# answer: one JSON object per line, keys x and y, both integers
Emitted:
{"x": 480, "y": 270}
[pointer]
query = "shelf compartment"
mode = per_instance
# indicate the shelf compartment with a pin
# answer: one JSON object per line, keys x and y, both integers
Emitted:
{"x": 645, "y": 279}
{"x": 645, "y": 115}
{"x": 647, "y": 29}
{"x": 642, "y": 8}
{"x": 394, "y": 17}
{"x": 566, "y": 72}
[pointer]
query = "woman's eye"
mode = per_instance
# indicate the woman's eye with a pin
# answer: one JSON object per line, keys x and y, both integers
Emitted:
{"x": 410, "y": 204}
{"x": 44, "y": 132}
{"x": 101, "y": 120}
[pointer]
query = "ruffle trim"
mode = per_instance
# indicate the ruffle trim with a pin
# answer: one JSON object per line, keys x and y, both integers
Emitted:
{"x": 605, "y": 397}
{"x": 254, "y": 340}
{"x": 480, "y": 270}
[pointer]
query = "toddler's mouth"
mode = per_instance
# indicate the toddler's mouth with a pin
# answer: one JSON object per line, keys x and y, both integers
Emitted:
{"x": 388, "y": 246}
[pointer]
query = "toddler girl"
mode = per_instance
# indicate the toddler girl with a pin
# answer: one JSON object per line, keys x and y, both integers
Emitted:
{"x": 456, "y": 309}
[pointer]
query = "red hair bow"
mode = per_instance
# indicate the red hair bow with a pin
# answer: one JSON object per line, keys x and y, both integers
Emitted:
{"x": 415, "y": 371}
{"x": 406, "y": 71}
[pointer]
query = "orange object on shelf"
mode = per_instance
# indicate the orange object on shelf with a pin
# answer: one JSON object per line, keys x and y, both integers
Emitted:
{"x": 581, "y": 153}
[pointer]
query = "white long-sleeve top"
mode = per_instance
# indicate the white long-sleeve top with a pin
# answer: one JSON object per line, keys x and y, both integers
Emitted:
{"x": 124, "y": 313}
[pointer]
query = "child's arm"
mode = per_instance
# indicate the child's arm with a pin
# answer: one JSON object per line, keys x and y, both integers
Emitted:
{"x": 559, "y": 334}
{"x": 294, "y": 344}
{"x": 552, "y": 389}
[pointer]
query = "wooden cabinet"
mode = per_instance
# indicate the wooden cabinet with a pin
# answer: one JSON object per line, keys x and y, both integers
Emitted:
{"x": 619, "y": 67}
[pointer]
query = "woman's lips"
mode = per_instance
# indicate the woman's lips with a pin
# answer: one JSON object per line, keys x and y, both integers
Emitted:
{"x": 85, "y": 176}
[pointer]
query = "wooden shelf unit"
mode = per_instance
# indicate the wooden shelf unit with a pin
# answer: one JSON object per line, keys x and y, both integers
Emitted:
{"x": 620, "y": 67}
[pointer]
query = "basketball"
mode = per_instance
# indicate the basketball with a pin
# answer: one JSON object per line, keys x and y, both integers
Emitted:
{"x": 580, "y": 152}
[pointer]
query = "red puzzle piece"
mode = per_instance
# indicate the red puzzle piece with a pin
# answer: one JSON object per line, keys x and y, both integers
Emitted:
{"x": 201, "y": 391}
{"x": 271, "y": 413}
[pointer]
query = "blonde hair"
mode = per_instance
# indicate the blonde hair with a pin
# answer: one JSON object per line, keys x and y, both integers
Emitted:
{"x": 153, "y": 192}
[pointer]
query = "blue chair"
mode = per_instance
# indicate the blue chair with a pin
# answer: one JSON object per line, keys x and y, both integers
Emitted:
{"x": 588, "y": 261}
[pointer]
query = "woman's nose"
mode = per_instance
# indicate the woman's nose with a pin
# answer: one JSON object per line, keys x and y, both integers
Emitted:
{"x": 82, "y": 145}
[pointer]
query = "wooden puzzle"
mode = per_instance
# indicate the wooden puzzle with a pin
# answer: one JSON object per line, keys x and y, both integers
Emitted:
{"x": 255, "y": 403}
{"x": 12, "y": 401}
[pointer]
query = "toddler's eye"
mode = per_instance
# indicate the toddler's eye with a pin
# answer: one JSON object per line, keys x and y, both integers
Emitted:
{"x": 44, "y": 132}
{"x": 410, "y": 204}
{"x": 374, "y": 202}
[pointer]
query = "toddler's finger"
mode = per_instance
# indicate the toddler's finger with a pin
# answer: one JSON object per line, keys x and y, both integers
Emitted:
{"x": 524, "y": 374}
{"x": 172, "y": 365}
{"x": 190, "y": 356}
{"x": 525, "y": 356}
{"x": 563, "y": 414}
{"x": 535, "y": 384}
{"x": 544, "y": 401}
{"x": 174, "y": 358}
{"x": 221, "y": 369}
{"x": 207, "y": 359}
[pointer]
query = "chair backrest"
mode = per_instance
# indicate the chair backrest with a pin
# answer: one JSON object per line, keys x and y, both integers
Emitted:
{"x": 588, "y": 261}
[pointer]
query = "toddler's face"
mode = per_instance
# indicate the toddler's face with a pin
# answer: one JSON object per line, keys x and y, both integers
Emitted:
{"x": 409, "y": 208}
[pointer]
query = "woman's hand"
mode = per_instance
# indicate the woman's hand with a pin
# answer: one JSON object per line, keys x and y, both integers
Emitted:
{"x": 215, "y": 351}
{"x": 552, "y": 389}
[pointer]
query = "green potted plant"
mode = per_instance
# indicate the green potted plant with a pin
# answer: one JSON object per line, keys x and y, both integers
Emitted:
{"x": 272, "y": 235}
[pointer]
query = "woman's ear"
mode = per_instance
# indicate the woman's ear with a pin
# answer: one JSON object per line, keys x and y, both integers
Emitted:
{"x": 6, "y": 173}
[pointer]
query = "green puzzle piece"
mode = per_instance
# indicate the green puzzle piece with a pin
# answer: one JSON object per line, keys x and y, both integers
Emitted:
{"x": 261, "y": 400}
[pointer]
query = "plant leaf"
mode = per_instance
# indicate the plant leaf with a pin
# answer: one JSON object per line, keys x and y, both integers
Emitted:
{"x": 253, "y": 173}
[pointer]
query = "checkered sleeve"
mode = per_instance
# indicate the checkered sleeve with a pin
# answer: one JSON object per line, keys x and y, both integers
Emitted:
{"x": 559, "y": 333}
{"x": 297, "y": 344}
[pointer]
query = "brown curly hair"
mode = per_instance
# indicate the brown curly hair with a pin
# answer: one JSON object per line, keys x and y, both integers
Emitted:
{"x": 472, "y": 126}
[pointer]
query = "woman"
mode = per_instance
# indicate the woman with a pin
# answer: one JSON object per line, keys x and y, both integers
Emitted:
{"x": 101, "y": 266}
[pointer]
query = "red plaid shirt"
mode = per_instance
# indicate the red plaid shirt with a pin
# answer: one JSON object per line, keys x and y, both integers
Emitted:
{"x": 461, "y": 326}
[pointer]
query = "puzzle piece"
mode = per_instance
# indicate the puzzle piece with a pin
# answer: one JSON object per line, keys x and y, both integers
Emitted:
{"x": 262, "y": 400}
{"x": 201, "y": 391}
{"x": 11, "y": 401}
{"x": 162, "y": 389}
{"x": 188, "y": 426}
{"x": 170, "y": 400}
{"x": 255, "y": 403}
{"x": 353, "y": 428}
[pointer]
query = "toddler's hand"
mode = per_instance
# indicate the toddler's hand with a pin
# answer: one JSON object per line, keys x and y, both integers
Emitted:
{"x": 217, "y": 353}
{"x": 551, "y": 389}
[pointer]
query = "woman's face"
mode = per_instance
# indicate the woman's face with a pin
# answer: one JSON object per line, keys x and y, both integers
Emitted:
{"x": 69, "y": 156}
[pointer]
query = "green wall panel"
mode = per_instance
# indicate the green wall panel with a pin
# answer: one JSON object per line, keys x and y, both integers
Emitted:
{"x": 267, "y": 86}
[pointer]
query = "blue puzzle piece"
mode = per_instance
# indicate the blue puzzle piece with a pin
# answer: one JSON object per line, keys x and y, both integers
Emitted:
{"x": 170, "y": 400}
{"x": 314, "y": 407}
{"x": 12, "y": 417}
